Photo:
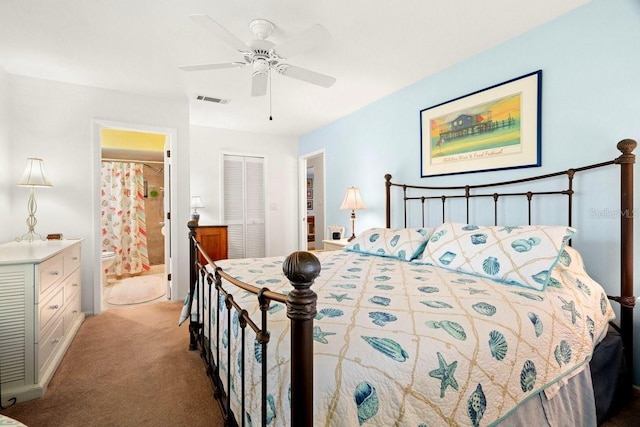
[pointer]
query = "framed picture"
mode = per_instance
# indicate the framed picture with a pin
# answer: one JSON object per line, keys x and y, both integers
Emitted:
{"x": 491, "y": 129}
{"x": 309, "y": 205}
{"x": 309, "y": 182}
{"x": 309, "y": 194}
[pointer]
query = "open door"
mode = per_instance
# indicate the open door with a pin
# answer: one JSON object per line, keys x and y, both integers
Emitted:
{"x": 166, "y": 228}
{"x": 312, "y": 201}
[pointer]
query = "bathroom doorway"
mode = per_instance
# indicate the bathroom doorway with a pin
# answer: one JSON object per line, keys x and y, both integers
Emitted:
{"x": 134, "y": 224}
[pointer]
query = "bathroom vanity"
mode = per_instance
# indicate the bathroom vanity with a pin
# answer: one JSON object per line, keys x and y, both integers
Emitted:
{"x": 40, "y": 297}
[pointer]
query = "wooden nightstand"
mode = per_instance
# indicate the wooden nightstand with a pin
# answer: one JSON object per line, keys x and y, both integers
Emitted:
{"x": 214, "y": 241}
{"x": 335, "y": 245}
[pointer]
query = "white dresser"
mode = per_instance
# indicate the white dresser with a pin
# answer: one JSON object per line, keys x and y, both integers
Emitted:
{"x": 40, "y": 296}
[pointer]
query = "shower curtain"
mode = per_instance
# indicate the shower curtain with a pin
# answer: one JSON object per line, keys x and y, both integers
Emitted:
{"x": 123, "y": 216}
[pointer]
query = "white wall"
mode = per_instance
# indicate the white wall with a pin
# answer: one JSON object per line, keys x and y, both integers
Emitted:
{"x": 5, "y": 161}
{"x": 281, "y": 157}
{"x": 54, "y": 121}
{"x": 589, "y": 58}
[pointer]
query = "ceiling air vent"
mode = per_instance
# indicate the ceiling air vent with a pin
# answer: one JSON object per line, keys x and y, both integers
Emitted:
{"x": 211, "y": 99}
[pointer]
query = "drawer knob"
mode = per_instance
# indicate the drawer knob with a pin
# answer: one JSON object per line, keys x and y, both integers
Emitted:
{"x": 75, "y": 258}
{"x": 75, "y": 284}
{"x": 55, "y": 307}
{"x": 55, "y": 340}
{"x": 55, "y": 273}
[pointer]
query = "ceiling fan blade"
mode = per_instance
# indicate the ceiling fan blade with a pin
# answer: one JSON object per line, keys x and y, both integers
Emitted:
{"x": 306, "y": 75}
{"x": 212, "y": 66}
{"x": 309, "y": 38}
{"x": 259, "y": 83}
{"x": 219, "y": 31}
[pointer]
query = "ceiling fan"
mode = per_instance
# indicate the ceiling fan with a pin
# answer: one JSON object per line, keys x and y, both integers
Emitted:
{"x": 263, "y": 55}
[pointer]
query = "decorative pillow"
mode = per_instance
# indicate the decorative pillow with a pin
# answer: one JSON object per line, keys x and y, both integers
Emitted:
{"x": 569, "y": 266}
{"x": 517, "y": 255}
{"x": 401, "y": 243}
{"x": 570, "y": 259}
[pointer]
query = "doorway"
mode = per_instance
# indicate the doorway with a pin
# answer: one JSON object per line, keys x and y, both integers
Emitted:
{"x": 148, "y": 151}
{"x": 312, "y": 201}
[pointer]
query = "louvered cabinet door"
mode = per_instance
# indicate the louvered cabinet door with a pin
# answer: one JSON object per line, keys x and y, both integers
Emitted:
{"x": 17, "y": 365}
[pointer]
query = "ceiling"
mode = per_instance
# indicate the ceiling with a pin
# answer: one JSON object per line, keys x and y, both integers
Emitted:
{"x": 376, "y": 48}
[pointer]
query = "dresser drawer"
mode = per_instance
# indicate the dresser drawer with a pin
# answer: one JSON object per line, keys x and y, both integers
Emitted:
{"x": 49, "y": 343}
{"x": 50, "y": 307}
{"x": 72, "y": 285}
{"x": 50, "y": 271}
{"x": 71, "y": 312}
{"x": 72, "y": 259}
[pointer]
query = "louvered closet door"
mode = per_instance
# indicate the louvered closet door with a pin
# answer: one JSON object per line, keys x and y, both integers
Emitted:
{"x": 244, "y": 212}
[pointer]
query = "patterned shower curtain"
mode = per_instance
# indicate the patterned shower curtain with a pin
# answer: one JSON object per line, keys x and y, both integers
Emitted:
{"x": 123, "y": 216}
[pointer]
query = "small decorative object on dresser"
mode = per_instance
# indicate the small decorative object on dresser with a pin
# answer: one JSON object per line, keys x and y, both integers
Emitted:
{"x": 336, "y": 232}
{"x": 39, "y": 313}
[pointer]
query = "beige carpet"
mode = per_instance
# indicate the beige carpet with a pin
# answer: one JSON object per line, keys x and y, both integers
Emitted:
{"x": 137, "y": 290}
{"x": 127, "y": 367}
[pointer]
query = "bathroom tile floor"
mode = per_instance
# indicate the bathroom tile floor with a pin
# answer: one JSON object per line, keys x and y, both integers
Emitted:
{"x": 113, "y": 281}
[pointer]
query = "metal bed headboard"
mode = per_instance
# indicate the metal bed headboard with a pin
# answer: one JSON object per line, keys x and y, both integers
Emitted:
{"x": 467, "y": 192}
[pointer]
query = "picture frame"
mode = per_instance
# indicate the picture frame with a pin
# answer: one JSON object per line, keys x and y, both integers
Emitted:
{"x": 309, "y": 194}
{"x": 309, "y": 205}
{"x": 491, "y": 129}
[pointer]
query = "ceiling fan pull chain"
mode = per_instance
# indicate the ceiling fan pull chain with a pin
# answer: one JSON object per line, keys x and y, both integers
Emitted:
{"x": 270, "y": 117}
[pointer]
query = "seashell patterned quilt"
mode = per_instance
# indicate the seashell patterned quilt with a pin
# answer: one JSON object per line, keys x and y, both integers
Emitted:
{"x": 403, "y": 344}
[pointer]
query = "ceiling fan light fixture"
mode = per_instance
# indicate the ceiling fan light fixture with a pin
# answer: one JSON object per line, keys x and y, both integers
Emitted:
{"x": 260, "y": 65}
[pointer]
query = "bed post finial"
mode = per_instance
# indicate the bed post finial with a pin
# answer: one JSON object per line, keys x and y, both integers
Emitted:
{"x": 387, "y": 183}
{"x": 626, "y": 146}
{"x": 301, "y": 268}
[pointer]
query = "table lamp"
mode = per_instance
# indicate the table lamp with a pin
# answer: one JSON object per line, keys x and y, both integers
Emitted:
{"x": 353, "y": 201}
{"x": 33, "y": 177}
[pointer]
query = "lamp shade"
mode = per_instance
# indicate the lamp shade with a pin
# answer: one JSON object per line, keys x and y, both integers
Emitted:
{"x": 352, "y": 199}
{"x": 196, "y": 202}
{"x": 34, "y": 175}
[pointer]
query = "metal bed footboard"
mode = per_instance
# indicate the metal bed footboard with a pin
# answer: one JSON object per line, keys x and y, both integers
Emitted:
{"x": 301, "y": 268}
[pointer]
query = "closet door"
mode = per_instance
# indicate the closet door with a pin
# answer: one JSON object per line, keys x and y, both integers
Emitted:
{"x": 244, "y": 206}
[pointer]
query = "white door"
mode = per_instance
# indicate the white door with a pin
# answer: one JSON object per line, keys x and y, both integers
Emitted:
{"x": 244, "y": 205}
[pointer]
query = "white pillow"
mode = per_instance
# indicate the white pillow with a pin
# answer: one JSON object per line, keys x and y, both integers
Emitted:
{"x": 401, "y": 243}
{"x": 515, "y": 255}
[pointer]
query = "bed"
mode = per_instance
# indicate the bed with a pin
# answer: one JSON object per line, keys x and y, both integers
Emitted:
{"x": 9, "y": 422}
{"x": 453, "y": 323}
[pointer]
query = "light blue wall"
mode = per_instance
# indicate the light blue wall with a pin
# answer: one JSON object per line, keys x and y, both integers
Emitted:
{"x": 590, "y": 62}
